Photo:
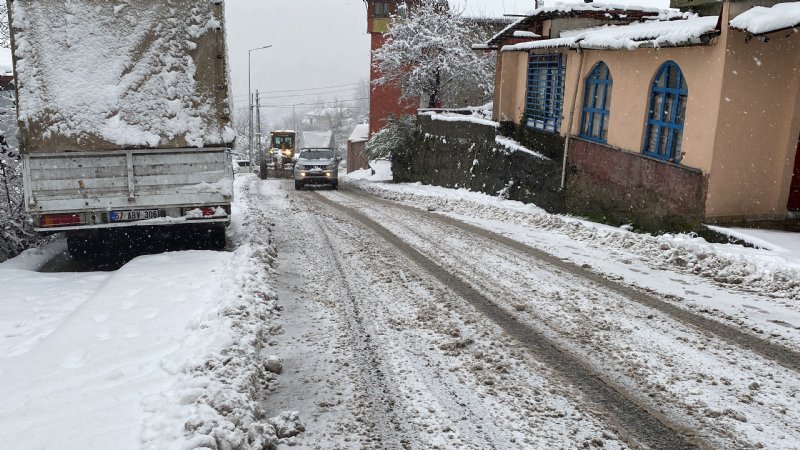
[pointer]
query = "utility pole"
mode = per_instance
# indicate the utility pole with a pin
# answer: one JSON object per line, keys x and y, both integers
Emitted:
{"x": 258, "y": 127}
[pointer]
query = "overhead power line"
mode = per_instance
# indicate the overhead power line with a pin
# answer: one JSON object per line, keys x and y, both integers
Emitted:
{"x": 341, "y": 91}
{"x": 304, "y": 90}
{"x": 313, "y": 105}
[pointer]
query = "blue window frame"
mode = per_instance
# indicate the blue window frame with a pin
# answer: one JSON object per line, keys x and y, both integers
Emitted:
{"x": 596, "y": 104}
{"x": 668, "y": 97}
{"x": 545, "y": 95}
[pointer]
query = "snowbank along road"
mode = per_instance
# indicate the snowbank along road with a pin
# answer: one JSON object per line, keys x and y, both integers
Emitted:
{"x": 409, "y": 329}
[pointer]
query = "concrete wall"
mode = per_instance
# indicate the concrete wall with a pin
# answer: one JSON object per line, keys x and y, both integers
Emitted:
{"x": 618, "y": 187}
{"x": 759, "y": 125}
{"x": 510, "y": 91}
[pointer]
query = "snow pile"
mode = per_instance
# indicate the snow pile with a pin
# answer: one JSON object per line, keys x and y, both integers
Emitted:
{"x": 633, "y": 36}
{"x": 161, "y": 354}
{"x": 727, "y": 264}
{"x": 475, "y": 117}
{"x": 514, "y": 146}
{"x": 379, "y": 171}
{"x": 122, "y": 73}
{"x": 525, "y": 34}
{"x": 760, "y": 19}
{"x": 360, "y": 133}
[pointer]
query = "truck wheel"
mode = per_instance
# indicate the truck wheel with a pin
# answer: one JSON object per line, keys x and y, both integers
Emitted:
{"x": 298, "y": 185}
{"x": 335, "y": 185}
{"x": 216, "y": 237}
{"x": 79, "y": 247}
{"x": 262, "y": 170}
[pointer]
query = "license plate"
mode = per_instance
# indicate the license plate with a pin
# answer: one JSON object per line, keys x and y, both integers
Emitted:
{"x": 130, "y": 216}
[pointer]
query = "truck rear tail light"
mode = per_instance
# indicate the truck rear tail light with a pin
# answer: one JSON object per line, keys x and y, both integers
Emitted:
{"x": 60, "y": 220}
{"x": 207, "y": 212}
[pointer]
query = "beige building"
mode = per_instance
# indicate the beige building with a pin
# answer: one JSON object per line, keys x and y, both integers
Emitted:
{"x": 663, "y": 114}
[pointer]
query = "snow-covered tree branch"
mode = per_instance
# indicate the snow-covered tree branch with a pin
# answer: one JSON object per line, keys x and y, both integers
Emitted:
{"x": 428, "y": 55}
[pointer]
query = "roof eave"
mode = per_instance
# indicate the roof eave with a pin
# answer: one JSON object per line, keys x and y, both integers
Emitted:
{"x": 794, "y": 28}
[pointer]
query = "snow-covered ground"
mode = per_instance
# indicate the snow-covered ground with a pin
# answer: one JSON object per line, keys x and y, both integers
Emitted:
{"x": 757, "y": 288}
{"x": 160, "y": 354}
{"x": 183, "y": 350}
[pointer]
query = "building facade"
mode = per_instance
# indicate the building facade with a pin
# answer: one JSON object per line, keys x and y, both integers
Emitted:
{"x": 663, "y": 114}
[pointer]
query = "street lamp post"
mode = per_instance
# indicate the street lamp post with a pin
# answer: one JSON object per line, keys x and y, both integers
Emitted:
{"x": 250, "y": 107}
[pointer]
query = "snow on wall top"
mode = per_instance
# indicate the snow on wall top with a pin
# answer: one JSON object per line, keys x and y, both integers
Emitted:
{"x": 360, "y": 133}
{"x": 760, "y": 20}
{"x": 6, "y": 65}
{"x": 632, "y": 36}
{"x": 317, "y": 139}
{"x": 130, "y": 73}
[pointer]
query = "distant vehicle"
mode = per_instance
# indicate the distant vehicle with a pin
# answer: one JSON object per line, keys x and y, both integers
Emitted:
{"x": 280, "y": 156}
{"x": 242, "y": 166}
{"x": 145, "y": 145}
{"x": 317, "y": 163}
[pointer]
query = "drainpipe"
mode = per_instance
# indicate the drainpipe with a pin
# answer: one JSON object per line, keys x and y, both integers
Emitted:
{"x": 571, "y": 117}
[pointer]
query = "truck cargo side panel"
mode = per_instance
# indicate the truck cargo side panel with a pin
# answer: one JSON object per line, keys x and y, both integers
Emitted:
{"x": 91, "y": 181}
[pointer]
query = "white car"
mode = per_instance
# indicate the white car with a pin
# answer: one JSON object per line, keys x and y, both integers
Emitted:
{"x": 316, "y": 166}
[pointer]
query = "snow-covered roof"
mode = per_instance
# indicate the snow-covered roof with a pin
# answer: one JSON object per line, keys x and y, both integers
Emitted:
{"x": 616, "y": 37}
{"x": 599, "y": 10}
{"x": 317, "y": 139}
{"x": 360, "y": 133}
{"x": 6, "y": 65}
{"x": 761, "y": 20}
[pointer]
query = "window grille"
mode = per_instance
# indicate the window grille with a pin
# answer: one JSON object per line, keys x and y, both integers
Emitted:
{"x": 545, "y": 96}
{"x": 596, "y": 104}
{"x": 668, "y": 97}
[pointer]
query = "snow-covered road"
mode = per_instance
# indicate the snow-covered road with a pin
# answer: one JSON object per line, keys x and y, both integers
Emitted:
{"x": 698, "y": 384}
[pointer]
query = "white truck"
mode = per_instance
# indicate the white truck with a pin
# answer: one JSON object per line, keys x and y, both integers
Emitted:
{"x": 124, "y": 117}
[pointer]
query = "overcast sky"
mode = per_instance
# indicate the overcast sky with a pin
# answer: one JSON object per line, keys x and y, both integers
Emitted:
{"x": 315, "y": 44}
{"x": 318, "y": 43}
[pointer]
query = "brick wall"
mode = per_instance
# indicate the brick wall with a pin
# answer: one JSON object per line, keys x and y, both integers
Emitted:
{"x": 618, "y": 187}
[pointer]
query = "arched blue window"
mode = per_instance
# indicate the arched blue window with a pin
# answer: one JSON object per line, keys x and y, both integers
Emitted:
{"x": 596, "y": 103}
{"x": 667, "y": 112}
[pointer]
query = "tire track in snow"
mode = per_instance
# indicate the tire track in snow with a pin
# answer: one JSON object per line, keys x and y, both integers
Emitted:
{"x": 384, "y": 421}
{"x": 782, "y": 355}
{"x": 650, "y": 427}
